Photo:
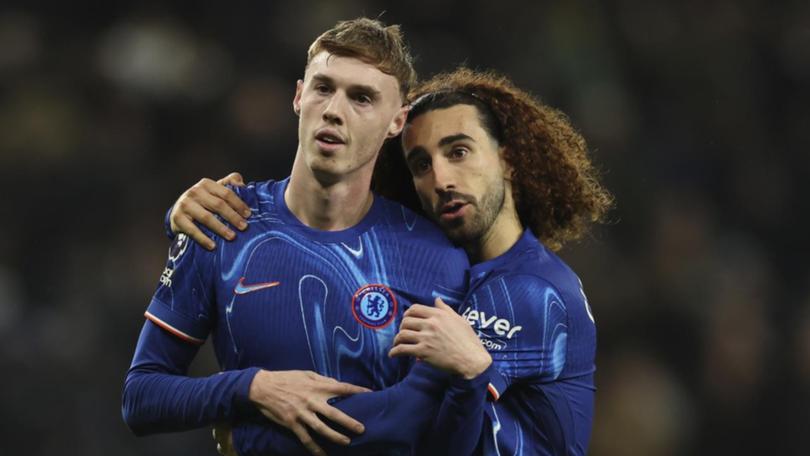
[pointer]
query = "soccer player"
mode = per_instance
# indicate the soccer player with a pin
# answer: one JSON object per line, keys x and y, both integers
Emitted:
{"x": 509, "y": 179}
{"x": 311, "y": 294}
{"x": 496, "y": 169}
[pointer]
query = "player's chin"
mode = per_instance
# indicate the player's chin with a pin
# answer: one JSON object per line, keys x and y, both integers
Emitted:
{"x": 460, "y": 233}
{"x": 328, "y": 167}
{"x": 457, "y": 235}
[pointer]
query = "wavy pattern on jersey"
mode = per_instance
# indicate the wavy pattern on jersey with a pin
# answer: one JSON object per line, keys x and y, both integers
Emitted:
{"x": 330, "y": 345}
{"x": 534, "y": 352}
{"x": 537, "y": 353}
{"x": 555, "y": 332}
{"x": 312, "y": 298}
{"x": 410, "y": 221}
{"x": 381, "y": 339}
{"x": 243, "y": 261}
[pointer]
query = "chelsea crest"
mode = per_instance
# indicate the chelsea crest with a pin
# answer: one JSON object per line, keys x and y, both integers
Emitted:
{"x": 374, "y": 306}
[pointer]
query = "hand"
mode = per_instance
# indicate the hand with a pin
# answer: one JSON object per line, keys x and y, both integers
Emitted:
{"x": 442, "y": 338}
{"x": 292, "y": 399}
{"x": 204, "y": 199}
{"x": 224, "y": 438}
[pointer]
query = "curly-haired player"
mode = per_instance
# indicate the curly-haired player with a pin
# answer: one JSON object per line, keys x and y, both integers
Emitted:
{"x": 508, "y": 179}
{"x": 554, "y": 185}
{"x": 497, "y": 169}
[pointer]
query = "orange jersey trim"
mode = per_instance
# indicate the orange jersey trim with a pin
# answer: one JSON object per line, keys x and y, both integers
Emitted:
{"x": 175, "y": 331}
{"x": 493, "y": 392}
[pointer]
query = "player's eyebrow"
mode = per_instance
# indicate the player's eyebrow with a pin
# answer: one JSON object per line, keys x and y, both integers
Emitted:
{"x": 367, "y": 89}
{"x": 442, "y": 142}
{"x": 453, "y": 138}
{"x": 323, "y": 78}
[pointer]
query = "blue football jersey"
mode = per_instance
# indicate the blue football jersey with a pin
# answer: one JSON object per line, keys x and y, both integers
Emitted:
{"x": 530, "y": 312}
{"x": 284, "y": 296}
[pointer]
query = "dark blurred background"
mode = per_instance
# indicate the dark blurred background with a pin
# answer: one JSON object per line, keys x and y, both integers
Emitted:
{"x": 696, "y": 111}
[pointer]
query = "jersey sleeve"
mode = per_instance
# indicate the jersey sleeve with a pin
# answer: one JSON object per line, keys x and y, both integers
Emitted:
{"x": 167, "y": 223}
{"x": 394, "y": 418}
{"x": 526, "y": 331}
{"x": 158, "y": 395}
{"x": 460, "y": 420}
{"x": 184, "y": 300}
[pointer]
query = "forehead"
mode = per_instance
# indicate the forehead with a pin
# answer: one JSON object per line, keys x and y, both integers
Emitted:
{"x": 429, "y": 128}
{"x": 350, "y": 71}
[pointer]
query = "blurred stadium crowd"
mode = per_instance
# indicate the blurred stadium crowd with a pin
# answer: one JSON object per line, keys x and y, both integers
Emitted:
{"x": 696, "y": 111}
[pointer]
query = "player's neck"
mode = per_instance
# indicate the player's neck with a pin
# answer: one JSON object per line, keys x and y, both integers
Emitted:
{"x": 329, "y": 206}
{"x": 504, "y": 232}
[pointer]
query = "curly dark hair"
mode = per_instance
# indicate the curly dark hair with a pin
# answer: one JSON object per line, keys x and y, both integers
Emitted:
{"x": 555, "y": 186}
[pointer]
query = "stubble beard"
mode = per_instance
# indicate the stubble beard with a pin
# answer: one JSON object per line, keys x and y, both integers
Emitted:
{"x": 471, "y": 230}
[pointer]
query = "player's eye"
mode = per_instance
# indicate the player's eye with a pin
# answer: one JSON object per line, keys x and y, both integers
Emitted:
{"x": 362, "y": 99}
{"x": 458, "y": 152}
{"x": 420, "y": 166}
{"x": 323, "y": 89}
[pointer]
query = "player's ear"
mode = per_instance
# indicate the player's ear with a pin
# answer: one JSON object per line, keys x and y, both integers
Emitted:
{"x": 508, "y": 170}
{"x": 299, "y": 87}
{"x": 398, "y": 122}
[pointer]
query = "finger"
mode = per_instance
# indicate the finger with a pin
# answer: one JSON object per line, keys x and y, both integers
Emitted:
{"x": 412, "y": 323}
{"x": 306, "y": 440}
{"x": 419, "y": 311}
{"x": 345, "y": 389}
{"x": 224, "y": 210}
{"x": 315, "y": 423}
{"x": 221, "y": 201}
{"x": 406, "y": 350}
{"x": 441, "y": 304}
{"x": 196, "y": 207}
{"x": 211, "y": 222}
{"x": 341, "y": 418}
{"x": 229, "y": 196}
{"x": 406, "y": 337}
{"x": 232, "y": 179}
{"x": 187, "y": 226}
{"x": 330, "y": 385}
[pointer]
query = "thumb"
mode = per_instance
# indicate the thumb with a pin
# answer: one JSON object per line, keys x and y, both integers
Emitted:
{"x": 441, "y": 305}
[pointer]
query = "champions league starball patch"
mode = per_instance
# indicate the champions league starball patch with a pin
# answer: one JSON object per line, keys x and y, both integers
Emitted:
{"x": 176, "y": 250}
{"x": 374, "y": 306}
{"x": 178, "y": 247}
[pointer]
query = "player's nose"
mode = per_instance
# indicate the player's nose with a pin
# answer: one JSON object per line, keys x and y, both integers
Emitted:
{"x": 443, "y": 176}
{"x": 334, "y": 111}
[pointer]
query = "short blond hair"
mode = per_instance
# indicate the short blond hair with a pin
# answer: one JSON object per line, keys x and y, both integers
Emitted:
{"x": 372, "y": 42}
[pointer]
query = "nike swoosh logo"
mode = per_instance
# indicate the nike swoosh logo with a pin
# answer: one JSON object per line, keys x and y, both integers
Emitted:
{"x": 356, "y": 252}
{"x": 241, "y": 288}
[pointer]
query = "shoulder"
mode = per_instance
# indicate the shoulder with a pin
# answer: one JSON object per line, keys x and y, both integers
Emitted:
{"x": 418, "y": 232}
{"x": 540, "y": 266}
{"x": 532, "y": 295}
{"x": 538, "y": 281}
{"x": 548, "y": 284}
{"x": 404, "y": 221}
{"x": 257, "y": 194}
{"x": 423, "y": 248}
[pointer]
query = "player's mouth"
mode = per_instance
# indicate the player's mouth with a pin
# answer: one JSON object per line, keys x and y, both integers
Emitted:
{"x": 329, "y": 140}
{"x": 453, "y": 210}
